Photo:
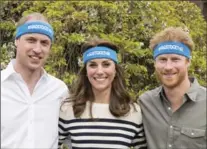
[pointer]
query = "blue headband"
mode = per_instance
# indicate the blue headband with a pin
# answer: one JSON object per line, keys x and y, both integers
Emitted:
{"x": 99, "y": 52}
{"x": 35, "y": 27}
{"x": 171, "y": 47}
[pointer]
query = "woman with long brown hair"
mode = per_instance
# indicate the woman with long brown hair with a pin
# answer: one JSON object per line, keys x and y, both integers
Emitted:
{"x": 100, "y": 113}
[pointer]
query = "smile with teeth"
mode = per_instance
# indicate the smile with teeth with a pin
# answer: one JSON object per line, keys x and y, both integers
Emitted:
{"x": 35, "y": 57}
{"x": 169, "y": 74}
{"x": 100, "y": 79}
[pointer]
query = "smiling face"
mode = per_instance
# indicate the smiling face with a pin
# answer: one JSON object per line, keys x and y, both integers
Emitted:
{"x": 101, "y": 73}
{"x": 171, "y": 69}
{"x": 32, "y": 51}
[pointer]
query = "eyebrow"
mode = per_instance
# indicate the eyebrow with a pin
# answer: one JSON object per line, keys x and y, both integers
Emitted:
{"x": 96, "y": 62}
{"x": 30, "y": 37}
{"x": 42, "y": 40}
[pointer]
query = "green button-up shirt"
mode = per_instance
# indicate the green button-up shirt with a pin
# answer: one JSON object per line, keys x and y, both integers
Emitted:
{"x": 182, "y": 129}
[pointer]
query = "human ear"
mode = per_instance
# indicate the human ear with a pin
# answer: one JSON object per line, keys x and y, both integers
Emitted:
{"x": 188, "y": 61}
{"x": 15, "y": 42}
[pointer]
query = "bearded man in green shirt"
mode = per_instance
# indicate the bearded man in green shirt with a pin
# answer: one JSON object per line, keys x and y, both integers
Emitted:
{"x": 174, "y": 114}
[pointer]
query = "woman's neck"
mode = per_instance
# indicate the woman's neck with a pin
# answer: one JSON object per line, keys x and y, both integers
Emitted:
{"x": 102, "y": 96}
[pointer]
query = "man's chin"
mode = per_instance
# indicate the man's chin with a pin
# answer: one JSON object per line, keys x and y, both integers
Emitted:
{"x": 169, "y": 83}
{"x": 34, "y": 67}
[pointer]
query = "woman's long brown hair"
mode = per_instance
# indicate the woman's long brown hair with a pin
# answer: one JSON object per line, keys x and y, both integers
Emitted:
{"x": 81, "y": 90}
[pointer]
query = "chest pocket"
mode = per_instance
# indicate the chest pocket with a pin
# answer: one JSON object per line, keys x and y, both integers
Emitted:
{"x": 192, "y": 138}
{"x": 193, "y": 133}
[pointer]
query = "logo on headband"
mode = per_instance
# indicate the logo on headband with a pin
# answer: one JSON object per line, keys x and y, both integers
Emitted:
{"x": 98, "y": 53}
{"x": 40, "y": 27}
{"x": 173, "y": 47}
{"x": 35, "y": 27}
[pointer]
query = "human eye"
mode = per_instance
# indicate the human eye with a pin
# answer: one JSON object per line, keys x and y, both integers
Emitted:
{"x": 162, "y": 60}
{"x": 106, "y": 64}
{"x": 30, "y": 40}
{"x": 45, "y": 43}
{"x": 175, "y": 59}
{"x": 92, "y": 65}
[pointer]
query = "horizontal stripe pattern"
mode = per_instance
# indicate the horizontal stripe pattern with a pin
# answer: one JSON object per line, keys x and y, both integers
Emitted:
{"x": 102, "y": 133}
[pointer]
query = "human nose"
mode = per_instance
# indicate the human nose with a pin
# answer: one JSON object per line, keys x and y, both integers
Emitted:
{"x": 99, "y": 69}
{"x": 37, "y": 48}
{"x": 168, "y": 65}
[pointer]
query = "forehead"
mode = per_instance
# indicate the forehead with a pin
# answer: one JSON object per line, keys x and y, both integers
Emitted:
{"x": 100, "y": 60}
{"x": 171, "y": 56}
{"x": 36, "y": 36}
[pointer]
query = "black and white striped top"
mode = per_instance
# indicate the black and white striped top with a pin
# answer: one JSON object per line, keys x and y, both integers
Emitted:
{"x": 104, "y": 131}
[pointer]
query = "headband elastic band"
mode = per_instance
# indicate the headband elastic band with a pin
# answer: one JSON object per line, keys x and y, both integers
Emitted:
{"x": 99, "y": 52}
{"x": 35, "y": 27}
{"x": 172, "y": 47}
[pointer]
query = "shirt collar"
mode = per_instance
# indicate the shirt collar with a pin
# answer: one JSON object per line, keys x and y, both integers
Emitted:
{"x": 10, "y": 71}
{"x": 191, "y": 92}
{"x": 159, "y": 90}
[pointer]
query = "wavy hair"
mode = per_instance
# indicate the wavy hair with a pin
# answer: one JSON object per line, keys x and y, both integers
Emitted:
{"x": 172, "y": 34}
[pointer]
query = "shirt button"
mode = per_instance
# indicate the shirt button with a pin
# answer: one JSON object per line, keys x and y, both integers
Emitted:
{"x": 169, "y": 108}
{"x": 171, "y": 126}
{"x": 192, "y": 133}
{"x": 170, "y": 145}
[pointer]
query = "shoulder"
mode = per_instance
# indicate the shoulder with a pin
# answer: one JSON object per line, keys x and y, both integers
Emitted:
{"x": 56, "y": 83}
{"x": 134, "y": 115}
{"x": 66, "y": 110}
{"x": 135, "y": 107}
{"x": 202, "y": 89}
{"x": 201, "y": 93}
{"x": 197, "y": 91}
{"x": 57, "y": 87}
{"x": 150, "y": 94}
{"x": 56, "y": 80}
{"x": 3, "y": 75}
{"x": 3, "y": 71}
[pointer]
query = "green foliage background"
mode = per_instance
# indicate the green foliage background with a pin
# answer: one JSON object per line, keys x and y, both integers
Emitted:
{"x": 129, "y": 24}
